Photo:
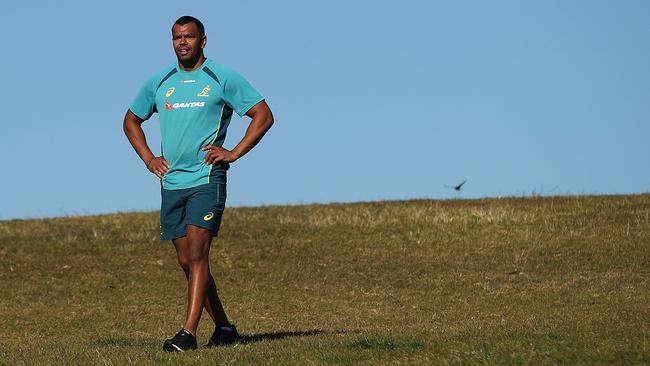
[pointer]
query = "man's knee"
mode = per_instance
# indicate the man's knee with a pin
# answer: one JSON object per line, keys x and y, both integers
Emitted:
{"x": 197, "y": 255}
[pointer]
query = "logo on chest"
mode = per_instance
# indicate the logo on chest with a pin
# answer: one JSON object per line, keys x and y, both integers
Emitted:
{"x": 169, "y": 106}
{"x": 205, "y": 92}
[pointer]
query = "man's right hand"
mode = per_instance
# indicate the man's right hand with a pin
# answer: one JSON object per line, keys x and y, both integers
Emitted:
{"x": 158, "y": 166}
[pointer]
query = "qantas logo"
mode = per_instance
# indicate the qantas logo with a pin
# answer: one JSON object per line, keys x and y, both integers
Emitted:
{"x": 170, "y": 106}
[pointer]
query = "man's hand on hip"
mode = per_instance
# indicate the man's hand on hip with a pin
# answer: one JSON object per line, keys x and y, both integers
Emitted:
{"x": 159, "y": 166}
{"x": 217, "y": 154}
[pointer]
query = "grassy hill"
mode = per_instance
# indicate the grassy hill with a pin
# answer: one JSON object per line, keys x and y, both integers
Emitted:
{"x": 555, "y": 280}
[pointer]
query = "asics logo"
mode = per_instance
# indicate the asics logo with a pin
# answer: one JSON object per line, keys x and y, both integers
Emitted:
{"x": 208, "y": 217}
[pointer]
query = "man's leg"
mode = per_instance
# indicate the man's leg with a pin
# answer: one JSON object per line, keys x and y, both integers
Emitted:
{"x": 193, "y": 256}
{"x": 213, "y": 304}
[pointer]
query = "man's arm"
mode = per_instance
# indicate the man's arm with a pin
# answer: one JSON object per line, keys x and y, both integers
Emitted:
{"x": 261, "y": 121}
{"x": 135, "y": 134}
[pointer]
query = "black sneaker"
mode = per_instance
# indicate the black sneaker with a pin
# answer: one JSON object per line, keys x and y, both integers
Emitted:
{"x": 182, "y": 341}
{"x": 223, "y": 336}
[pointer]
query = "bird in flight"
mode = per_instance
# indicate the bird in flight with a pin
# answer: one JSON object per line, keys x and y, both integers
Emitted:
{"x": 457, "y": 187}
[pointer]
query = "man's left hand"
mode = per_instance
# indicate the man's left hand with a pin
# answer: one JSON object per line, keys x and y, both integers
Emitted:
{"x": 217, "y": 154}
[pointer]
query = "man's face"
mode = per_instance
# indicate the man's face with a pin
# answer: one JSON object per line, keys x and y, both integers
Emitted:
{"x": 188, "y": 44}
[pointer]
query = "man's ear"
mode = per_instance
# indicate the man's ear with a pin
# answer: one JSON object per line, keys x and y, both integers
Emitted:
{"x": 204, "y": 41}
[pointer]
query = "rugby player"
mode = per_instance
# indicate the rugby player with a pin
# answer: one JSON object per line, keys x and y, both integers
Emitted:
{"x": 195, "y": 98}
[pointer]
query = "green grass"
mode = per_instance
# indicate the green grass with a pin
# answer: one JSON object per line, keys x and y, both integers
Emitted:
{"x": 554, "y": 280}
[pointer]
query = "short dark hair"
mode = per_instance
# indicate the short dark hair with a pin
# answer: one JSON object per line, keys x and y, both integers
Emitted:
{"x": 186, "y": 19}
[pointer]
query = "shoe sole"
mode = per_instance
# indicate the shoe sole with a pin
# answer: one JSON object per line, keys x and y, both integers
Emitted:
{"x": 170, "y": 347}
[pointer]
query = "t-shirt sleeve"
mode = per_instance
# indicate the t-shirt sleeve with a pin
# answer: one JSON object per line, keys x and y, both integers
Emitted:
{"x": 144, "y": 103}
{"x": 239, "y": 94}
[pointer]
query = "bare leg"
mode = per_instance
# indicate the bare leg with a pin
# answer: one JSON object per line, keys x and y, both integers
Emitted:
{"x": 193, "y": 256}
{"x": 213, "y": 305}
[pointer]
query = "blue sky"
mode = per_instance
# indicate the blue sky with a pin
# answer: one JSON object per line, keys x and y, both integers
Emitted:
{"x": 372, "y": 100}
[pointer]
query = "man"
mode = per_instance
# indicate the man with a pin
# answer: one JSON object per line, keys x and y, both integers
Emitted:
{"x": 195, "y": 98}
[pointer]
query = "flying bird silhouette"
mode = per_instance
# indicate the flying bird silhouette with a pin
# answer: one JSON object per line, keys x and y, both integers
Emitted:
{"x": 457, "y": 187}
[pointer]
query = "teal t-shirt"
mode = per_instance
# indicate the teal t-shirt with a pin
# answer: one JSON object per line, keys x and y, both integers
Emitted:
{"x": 194, "y": 109}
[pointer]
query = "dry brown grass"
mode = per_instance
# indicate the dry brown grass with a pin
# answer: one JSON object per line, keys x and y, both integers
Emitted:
{"x": 555, "y": 280}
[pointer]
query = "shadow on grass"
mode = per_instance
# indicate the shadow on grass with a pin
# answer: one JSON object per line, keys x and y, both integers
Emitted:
{"x": 270, "y": 336}
{"x": 243, "y": 339}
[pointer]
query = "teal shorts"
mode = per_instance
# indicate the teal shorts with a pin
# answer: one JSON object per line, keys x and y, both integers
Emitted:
{"x": 200, "y": 206}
